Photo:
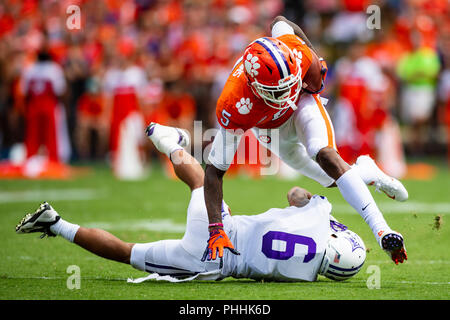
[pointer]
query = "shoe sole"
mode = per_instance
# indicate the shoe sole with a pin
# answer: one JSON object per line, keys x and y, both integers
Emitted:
{"x": 392, "y": 242}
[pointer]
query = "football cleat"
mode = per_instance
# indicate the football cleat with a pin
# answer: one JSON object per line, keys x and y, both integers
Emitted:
{"x": 392, "y": 243}
{"x": 160, "y": 134}
{"x": 393, "y": 188}
{"x": 39, "y": 221}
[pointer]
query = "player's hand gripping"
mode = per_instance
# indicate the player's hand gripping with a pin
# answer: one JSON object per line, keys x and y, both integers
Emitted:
{"x": 218, "y": 240}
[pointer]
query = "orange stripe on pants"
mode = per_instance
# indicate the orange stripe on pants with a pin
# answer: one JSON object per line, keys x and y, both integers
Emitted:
{"x": 323, "y": 112}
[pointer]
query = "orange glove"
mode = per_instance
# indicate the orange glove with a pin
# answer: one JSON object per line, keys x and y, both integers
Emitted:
{"x": 218, "y": 240}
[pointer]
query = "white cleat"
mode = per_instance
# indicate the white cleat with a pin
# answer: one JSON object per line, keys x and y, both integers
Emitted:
{"x": 39, "y": 221}
{"x": 160, "y": 136}
{"x": 392, "y": 187}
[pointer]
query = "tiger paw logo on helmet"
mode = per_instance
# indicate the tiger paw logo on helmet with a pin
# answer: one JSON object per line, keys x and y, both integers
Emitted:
{"x": 244, "y": 106}
{"x": 251, "y": 64}
{"x": 298, "y": 55}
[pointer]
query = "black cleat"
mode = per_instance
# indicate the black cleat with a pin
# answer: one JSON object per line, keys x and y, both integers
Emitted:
{"x": 392, "y": 243}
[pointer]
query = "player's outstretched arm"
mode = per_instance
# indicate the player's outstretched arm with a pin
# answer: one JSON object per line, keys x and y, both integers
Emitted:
{"x": 315, "y": 76}
{"x": 297, "y": 30}
{"x": 213, "y": 189}
{"x": 218, "y": 239}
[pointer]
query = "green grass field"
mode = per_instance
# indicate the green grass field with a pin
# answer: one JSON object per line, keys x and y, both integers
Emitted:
{"x": 33, "y": 268}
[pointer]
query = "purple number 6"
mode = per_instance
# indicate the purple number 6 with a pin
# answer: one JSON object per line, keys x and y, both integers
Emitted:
{"x": 291, "y": 240}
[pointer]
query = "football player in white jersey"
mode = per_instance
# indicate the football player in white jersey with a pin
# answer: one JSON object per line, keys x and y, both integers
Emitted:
{"x": 296, "y": 243}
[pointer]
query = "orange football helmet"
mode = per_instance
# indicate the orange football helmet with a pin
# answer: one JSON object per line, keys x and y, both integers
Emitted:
{"x": 273, "y": 72}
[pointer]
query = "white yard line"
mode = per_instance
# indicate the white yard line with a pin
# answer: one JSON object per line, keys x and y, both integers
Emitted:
{"x": 49, "y": 195}
{"x": 64, "y": 278}
{"x": 93, "y": 194}
{"x": 427, "y": 283}
{"x": 410, "y": 262}
{"x": 161, "y": 225}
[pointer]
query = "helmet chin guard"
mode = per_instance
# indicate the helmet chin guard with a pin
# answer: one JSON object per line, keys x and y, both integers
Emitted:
{"x": 282, "y": 96}
{"x": 344, "y": 256}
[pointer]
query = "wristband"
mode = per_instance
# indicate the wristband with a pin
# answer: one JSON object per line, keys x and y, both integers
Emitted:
{"x": 212, "y": 225}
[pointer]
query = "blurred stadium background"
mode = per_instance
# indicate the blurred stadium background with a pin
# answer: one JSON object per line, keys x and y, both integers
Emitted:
{"x": 77, "y": 142}
{"x": 135, "y": 61}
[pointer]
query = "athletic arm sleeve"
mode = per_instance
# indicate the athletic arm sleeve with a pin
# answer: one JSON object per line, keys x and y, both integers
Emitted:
{"x": 281, "y": 28}
{"x": 224, "y": 148}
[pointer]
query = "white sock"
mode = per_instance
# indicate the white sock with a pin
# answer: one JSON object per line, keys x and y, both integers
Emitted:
{"x": 65, "y": 229}
{"x": 167, "y": 146}
{"x": 356, "y": 193}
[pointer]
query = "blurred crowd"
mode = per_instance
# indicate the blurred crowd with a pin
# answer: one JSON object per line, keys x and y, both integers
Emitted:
{"x": 389, "y": 77}
{"x": 129, "y": 62}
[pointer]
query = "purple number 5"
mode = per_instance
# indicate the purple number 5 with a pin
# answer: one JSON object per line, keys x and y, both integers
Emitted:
{"x": 291, "y": 240}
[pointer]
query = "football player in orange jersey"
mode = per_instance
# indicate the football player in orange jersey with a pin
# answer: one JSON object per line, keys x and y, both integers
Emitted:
{"x": 273, "y": 90}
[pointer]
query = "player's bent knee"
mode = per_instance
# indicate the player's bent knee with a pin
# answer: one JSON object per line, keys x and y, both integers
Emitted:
{"x": 326, "y": 156}
{"x": 331, "y": 162}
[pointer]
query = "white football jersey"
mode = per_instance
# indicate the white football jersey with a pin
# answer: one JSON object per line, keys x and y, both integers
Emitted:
{"x": 281, "y": 244}
{"x": 130, "y": 80}
{"x": 40, "y": 73}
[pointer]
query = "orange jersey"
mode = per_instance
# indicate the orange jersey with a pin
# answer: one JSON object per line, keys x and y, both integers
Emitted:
{"x": 239, "y": 108}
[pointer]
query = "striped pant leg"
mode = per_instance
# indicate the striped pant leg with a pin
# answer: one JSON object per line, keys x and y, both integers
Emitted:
{"x": 182, "y": 257}
{"x": 165, "y": 257}
{"x": 313, "y": 125}
{"x": 298, "y": 149}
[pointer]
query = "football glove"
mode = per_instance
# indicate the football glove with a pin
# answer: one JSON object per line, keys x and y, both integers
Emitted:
{"x": 218, "y": 240}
